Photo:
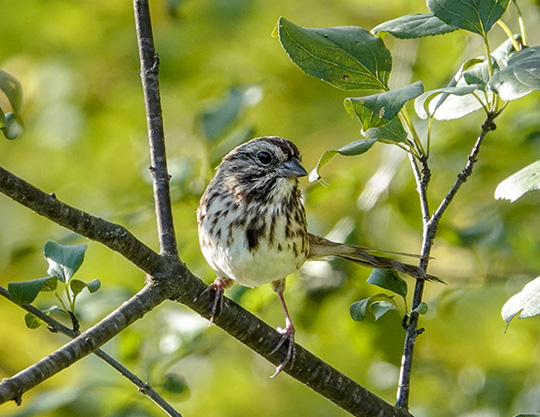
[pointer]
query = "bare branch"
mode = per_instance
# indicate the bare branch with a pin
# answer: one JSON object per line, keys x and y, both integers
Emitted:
{"x": 57, "y": 327}
{"x": 160, "y": 175}
{"x": 431, "y": 225}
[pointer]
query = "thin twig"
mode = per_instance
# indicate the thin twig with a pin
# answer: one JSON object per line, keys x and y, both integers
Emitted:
{"x": 431, "y": 225}
{"x": 160, "y": 175}
{"x": 57, "y": 327}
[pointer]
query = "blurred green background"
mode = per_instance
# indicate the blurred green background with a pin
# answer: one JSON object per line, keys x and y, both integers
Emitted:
{"x": 85, "y": 140}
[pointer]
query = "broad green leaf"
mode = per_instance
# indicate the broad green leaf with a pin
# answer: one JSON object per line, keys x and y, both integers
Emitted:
{"x": 12, "y": 89}
{"x": 528, "y": 179}
{"x": 414, "y": 26}
{"x": 431, "y": 101}
{"x": 526, "y": 303}
{"x": 64, "y": 260}
{"x": 24, "y": 292}
{"x": 528, "y": 415}
{"x": 77, "y": 285}
{"x": 380, "y": 308}
{"x": 392, "y": 132}
{"x": 389, "y": 280}
{"x": 520, "y": 77}
{"x": 218, "y": 119}
{"x": 358, "y": 309}
{"x": 348, "y": 57}
{"x": 377, "y": 110}
{"x": 476, "y": 16}
{"x": 353, "y": 148}
{"x": 31, "y": 321}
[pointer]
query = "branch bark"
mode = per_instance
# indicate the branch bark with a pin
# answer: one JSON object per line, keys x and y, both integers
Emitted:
{"x": 431, "y": 224}
{"x": 150, "y": 83}
{"x": 57, "y": 327}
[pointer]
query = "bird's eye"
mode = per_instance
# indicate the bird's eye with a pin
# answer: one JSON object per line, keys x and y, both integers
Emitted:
{"x": 264, "y": 157}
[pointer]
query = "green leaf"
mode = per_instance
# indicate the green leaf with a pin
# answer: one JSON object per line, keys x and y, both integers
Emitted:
{"x": 24, "y": 292}
{"x": 476, "y": 16}
{"x": 348, "y": 57}
{"x": 430, "y": 102}
{"x": 353, "y": 148}
{"x": 377, "y": 110}
{"x": 528, "y": 179}
{"x": 31, "y": 321}
{"x": 11, "y": 128}
{"x": 526, "y": 303}
{"x": 380, "y": 308}
{"x": 358, "y": 309}
{"x": 520, "y": 77}
{"x": 392, "y": 132}
{"x": 175, "y": 384}
{"x": 77, "y": 285}
{"x": 389, "y": 280}
{"x": 422, "y": 308}
{"x": 12, "y": 89}
{"x": 64, "y": 260}
{"x": 218, "y": 119}
{"x": 414, "y": 26}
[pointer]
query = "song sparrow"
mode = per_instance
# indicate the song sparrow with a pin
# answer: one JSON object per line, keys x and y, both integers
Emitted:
{"x": 253, "y": 230}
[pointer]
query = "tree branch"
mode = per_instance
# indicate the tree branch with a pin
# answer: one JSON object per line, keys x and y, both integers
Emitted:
{"x": 431, "y": 225}
{"x": 57, "y": 327}
{"x": 172, "y": 279}
{"x": 160, "y": 176}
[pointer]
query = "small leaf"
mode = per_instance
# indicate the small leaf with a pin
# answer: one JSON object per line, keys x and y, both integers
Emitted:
{"x": 217, "y": 120}
{"x": 24, "y": 292}
{"x": 77, "y": 286}
{"x": 422, "y": 308}
{"x": 520, "y": 77}
{"x": 348, "y": 57}
{"x": 377, "y": 110}
{"x": 64, "y": 260}
{"x": 472, "y": 15}
{"x": 31, "y": 321}
{"x": 353, "y": 148}
{"x": 526, "y": 303}
{"x": 358, "y": 309}
{"x": 380, "y": 308}
{"x": 389, "y": 280}
{"x": 12, "y": 89}
{"x": 528, "y": 179}
{"x": 392, "y": 132}
{"x": 414, "y": 26}
{"x": 11, "y": 128}
{"x": 426, "y": 105}
{"x": 175, "y": 384}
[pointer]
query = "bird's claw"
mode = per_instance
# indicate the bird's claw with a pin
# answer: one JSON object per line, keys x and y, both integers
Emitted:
{"x": 217, "y": 304}
{"x": 287, "y": 336}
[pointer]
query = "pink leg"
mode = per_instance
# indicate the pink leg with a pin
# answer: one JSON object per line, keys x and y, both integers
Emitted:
{"x": 287, "y": 332}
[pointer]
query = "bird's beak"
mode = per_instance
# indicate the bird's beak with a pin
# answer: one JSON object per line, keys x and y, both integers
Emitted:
{"x": 292, "y": 169}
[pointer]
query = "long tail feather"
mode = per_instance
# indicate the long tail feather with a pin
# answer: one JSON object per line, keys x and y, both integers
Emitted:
{"x": 321, "y": 247}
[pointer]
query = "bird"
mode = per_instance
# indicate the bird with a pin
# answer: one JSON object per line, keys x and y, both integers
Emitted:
{"x": 253, "y": 230}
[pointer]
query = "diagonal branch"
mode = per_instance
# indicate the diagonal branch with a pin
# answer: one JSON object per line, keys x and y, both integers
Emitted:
{"x": 57, "y": 327}
{"x": 431, "y": 225}
{"x": 160, "y": 176}
{"x": 172, "y": 280}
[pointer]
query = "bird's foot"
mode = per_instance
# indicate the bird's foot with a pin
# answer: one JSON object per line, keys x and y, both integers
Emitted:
{"x": 287, "y": 336}
{"x": 218, "y": 286}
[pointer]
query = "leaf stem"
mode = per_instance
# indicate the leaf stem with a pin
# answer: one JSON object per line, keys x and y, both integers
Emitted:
{"x": 509, "y": 33}
{"x": 522, "y": 29}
